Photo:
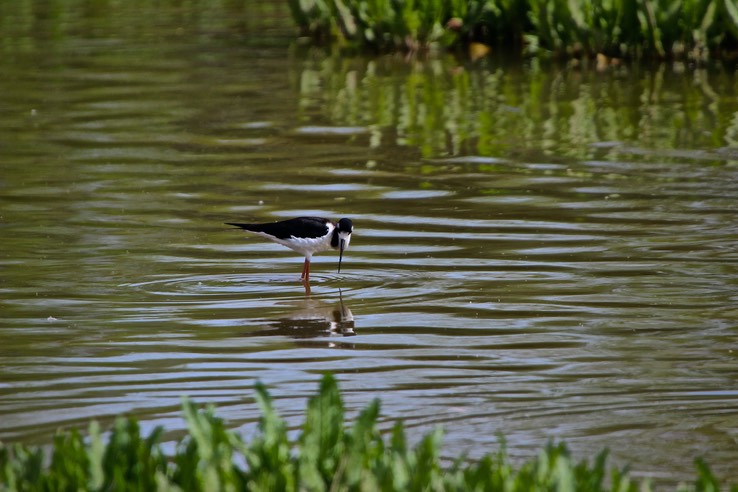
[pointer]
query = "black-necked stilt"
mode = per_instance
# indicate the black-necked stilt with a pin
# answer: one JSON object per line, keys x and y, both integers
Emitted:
{"x": 307, "y": 236}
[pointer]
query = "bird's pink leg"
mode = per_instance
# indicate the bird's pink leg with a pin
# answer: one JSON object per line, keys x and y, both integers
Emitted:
{"x": 306, "y": 271}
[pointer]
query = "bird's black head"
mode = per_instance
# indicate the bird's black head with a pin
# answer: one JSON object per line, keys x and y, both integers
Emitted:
{"x": 342, "y": 237}
{"x": 345, "y": 225}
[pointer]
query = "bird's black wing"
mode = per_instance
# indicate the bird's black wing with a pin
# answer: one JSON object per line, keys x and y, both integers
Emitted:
{"x": 285, "y": 229}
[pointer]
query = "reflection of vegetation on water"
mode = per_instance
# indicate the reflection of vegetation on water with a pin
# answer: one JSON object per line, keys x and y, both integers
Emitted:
{"x": 23, "y": 22}
{"x": 657, "y": 28}
{"x": 328, "y": 456}
{"x": 446, "y": 109}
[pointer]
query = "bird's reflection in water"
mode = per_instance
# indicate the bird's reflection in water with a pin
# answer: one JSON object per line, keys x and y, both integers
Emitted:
{"x": 312, "y": 318}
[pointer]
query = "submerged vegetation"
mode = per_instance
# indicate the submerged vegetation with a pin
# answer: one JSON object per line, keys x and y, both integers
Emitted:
{"x": 690, "y": 29}
{"x": 326, "y": 456}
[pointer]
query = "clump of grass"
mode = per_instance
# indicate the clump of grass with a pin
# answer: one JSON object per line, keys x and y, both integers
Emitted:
{"x": 629, "y": 28}
{"x": 615, "y": 28}
{"x": 374, "y": 24}
{"x": 327, "y": 456}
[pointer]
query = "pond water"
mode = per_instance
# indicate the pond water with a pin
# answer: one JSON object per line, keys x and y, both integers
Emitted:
{"x": 545, "y": 252}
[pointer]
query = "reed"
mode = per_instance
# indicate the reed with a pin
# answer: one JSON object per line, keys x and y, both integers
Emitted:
{"x": 692, "y": 29}
{"x": 328, "y": 455}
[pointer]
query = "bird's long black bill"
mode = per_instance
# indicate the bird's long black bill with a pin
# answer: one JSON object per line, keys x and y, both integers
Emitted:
{"x": 340, "y": 254}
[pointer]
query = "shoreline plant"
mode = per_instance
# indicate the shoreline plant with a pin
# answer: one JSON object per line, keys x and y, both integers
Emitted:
{"x": 634, "y": 29}
{"x": 327, "y": 456}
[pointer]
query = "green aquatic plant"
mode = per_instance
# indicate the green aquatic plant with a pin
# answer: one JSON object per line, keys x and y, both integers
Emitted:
{"x": 327, "y": 456}
{"x": 612, "y": 28}
{"x": 630, "y": 28}
{"x": 383, "y": 24}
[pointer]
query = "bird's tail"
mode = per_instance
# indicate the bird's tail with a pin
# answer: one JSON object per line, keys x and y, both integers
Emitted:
{"x": 248, "y": 227}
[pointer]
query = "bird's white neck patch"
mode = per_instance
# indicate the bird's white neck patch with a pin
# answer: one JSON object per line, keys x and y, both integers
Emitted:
{"x": 346, "y": 237}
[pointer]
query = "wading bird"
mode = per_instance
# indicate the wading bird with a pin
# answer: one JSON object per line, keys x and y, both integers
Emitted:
{"x": 307, "y": 236}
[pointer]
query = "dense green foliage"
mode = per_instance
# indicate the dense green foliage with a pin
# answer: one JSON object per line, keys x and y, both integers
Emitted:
{"x": 619, "y": 28}
{"x": 328, "y": 456}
